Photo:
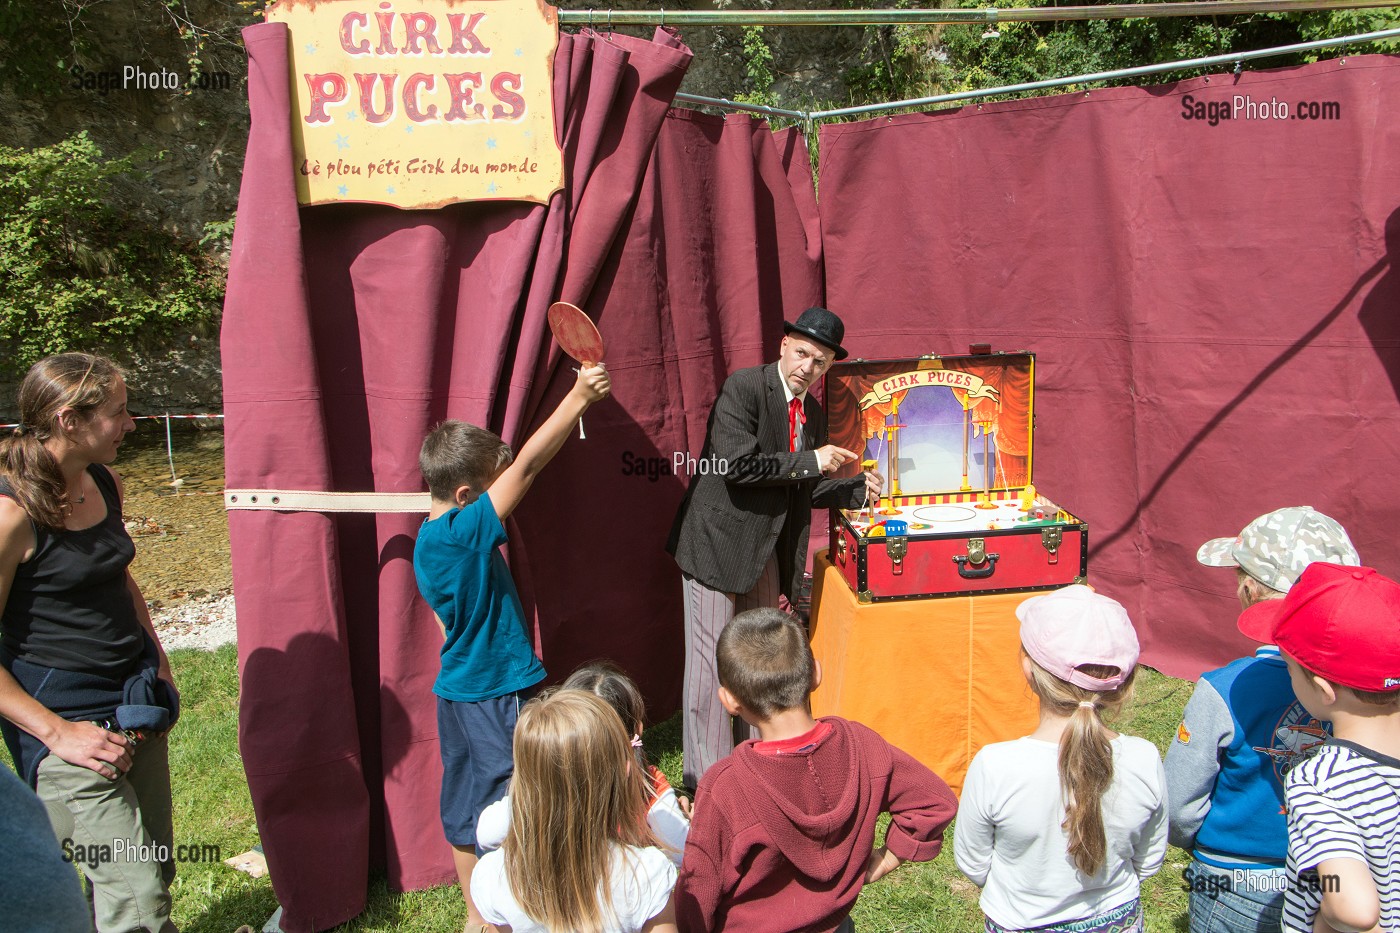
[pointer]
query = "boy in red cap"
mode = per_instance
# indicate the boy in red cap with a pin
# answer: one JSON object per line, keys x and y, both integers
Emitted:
{"x": 1339, "y": 631}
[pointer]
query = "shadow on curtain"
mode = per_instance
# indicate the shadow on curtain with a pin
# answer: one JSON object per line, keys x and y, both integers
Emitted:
{"x": 1213, "y": 307}
{"x": 722, "y": 244}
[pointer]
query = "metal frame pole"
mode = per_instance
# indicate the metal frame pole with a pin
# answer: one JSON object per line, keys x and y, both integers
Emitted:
{"x": 610, "y": 18}
{"x": 1229, "y": 59}
{"x": 738, "y": 105}
{"x": 1233, "y": 58}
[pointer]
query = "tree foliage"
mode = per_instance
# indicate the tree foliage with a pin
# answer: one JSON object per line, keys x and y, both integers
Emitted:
{"x": 77, "y": 272}
{"x": 41, "y": 39}
{"x": 921, "y": 61}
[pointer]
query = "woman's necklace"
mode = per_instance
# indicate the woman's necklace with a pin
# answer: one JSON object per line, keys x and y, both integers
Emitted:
{"x": 82, "y": 496}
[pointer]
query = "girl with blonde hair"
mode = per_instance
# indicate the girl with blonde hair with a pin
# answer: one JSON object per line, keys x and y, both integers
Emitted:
{"x": 578, "y": 856}
{"x": 1059, "y": 828}
{"x": 667, "y": 814}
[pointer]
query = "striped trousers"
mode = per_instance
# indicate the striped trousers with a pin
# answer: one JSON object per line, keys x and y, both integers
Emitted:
{"x": 709, "y": 732}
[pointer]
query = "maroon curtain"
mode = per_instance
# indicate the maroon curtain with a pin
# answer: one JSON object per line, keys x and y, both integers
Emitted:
{"x": 1214, "y": 307}
{"x": 348, "y": 332}
{"x": 723, "y": 243}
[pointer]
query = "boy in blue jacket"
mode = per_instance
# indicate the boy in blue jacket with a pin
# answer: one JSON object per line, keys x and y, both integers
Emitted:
{"x": 1241, "y": 730}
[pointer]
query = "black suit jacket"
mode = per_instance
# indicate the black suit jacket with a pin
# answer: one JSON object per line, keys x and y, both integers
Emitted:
{"x": 731, "y": 520}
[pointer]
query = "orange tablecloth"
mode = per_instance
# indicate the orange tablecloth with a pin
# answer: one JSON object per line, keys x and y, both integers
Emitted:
{"x": 938, "y": 678}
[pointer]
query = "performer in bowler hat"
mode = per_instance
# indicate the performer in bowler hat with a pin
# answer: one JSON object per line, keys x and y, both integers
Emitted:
{"x": 740, "y": 536}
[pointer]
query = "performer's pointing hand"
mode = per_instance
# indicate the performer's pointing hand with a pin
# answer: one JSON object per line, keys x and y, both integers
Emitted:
{"x": 831, "y": 458}
{"x": 593, "y": 384}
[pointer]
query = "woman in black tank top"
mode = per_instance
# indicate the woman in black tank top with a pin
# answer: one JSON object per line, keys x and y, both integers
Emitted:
{"x": 86, "y": 692}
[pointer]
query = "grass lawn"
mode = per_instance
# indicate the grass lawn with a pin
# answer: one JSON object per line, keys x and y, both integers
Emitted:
{"x": 212, "y": 806}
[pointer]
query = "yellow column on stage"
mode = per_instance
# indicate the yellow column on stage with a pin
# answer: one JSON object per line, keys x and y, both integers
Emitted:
{"x": 938, "y": 678}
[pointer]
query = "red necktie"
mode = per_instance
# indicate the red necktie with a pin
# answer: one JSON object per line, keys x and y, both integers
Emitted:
{"x": 796, "y": 416}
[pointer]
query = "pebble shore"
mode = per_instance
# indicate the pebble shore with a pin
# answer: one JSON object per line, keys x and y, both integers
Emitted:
{"x": 204, "y": 623}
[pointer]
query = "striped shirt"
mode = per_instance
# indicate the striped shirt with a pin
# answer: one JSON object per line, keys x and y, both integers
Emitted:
{"x": 1343, "y": 802}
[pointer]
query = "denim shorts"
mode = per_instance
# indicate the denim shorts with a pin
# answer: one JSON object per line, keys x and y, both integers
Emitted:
{"x": 475, "y": 741}
{"x": 1225, "y": 901}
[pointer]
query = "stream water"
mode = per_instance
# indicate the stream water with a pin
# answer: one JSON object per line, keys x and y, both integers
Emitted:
{"x": 196, "y": 449}
{"x": 177, "y": 520}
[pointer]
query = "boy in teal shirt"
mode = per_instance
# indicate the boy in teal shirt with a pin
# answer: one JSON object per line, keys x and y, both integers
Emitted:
{"x": 488, "y": 657}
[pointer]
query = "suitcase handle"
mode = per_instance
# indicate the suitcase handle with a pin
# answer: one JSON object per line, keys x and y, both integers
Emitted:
{"x": 974, "y": 572}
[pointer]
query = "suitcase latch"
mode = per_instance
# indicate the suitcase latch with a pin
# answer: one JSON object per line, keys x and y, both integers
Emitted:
{"x": 977, "y": 564}
{"x": 896, "y": 547}
{"x": 1050, "y": 539}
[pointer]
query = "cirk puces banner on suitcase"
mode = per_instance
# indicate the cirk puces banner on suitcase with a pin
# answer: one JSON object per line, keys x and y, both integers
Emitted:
{"x": 424, "y": 103}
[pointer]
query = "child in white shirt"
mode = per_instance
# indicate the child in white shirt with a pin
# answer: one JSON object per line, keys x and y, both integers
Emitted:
{"x": 1060, "y": 828}
{"x": 667, "y": 814}
{"x": 578, "y": 855}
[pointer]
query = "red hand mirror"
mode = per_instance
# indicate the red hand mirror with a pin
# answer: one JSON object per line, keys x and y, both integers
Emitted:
{"x": 576, "y": 334}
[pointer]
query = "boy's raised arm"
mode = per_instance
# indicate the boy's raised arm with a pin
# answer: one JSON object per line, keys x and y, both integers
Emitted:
{"x": 509, "y": 488}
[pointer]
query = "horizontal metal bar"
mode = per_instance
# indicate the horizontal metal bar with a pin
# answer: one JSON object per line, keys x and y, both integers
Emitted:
{"x": 739, "y": 105}
{"x": 606, "y": 18}
{"x": 1109, "y": 75}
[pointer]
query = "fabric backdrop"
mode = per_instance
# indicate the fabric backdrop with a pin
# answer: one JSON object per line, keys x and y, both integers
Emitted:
{"x": 1215, "y": 308}
{"x": 349, "y": 330}
{"x": 723, "y": 242}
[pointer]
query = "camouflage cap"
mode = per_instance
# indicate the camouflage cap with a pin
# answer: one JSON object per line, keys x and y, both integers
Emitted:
{"x": 1275, "y": 548}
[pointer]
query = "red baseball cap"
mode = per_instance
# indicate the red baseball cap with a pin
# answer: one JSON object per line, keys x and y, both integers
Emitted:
{"x": 1340, "y": 622}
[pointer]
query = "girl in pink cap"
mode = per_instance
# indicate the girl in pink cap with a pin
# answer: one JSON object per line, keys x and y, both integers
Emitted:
{"x": 1059, "y": 828}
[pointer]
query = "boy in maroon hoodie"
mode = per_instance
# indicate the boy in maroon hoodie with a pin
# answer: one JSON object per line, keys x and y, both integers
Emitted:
{"x": 783, "y": 832}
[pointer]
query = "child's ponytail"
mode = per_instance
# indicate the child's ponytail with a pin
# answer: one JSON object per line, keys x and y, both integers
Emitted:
{"x": 1086, "y": 756}
{"x": 1086, "y": 771}
{"x": 608, "y": 682}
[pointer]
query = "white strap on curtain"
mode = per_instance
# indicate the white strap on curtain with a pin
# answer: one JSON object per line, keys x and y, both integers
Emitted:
{"x": 296, "y": 500}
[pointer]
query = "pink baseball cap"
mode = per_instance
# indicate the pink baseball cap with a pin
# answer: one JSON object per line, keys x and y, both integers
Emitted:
{"x": 1064, "y": 630}
{"x": 1341, "y": 622}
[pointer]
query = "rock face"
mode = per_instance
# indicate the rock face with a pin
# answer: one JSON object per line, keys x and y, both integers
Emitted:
{"x": 127, "y": 90}
{"x": 119, "y": 90}
{"x": 180, "y": 377}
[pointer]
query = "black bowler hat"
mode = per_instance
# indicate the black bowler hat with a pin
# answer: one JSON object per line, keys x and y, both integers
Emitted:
{"x": 822, "y": 326}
